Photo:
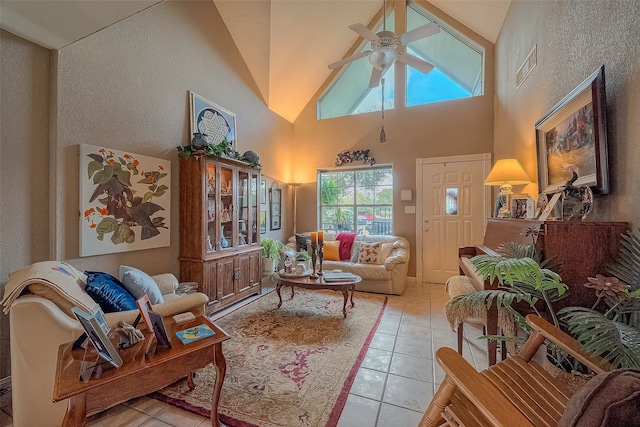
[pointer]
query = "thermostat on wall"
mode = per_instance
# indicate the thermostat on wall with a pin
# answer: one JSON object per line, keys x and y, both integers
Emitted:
{"x": 405, "y": 195}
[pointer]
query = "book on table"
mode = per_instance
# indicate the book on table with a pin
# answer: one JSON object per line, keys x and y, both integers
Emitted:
{"x": 195, "y": 333}
{"x": 339, "y": 277}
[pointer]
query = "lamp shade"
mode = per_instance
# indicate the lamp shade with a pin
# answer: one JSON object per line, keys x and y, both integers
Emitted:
{"x": 507, "y": 171}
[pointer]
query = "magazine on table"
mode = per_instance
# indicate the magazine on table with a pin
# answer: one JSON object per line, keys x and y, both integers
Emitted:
{"x": 339, "y": 277}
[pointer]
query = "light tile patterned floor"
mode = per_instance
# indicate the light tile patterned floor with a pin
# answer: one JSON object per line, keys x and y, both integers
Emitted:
{"x": 393, "y": 387}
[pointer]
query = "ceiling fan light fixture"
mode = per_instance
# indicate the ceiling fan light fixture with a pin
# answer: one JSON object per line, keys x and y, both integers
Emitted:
{"x": 383, "y": 58}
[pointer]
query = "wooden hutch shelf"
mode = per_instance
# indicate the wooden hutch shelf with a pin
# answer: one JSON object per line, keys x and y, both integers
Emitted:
{"x": 219, "y": 229}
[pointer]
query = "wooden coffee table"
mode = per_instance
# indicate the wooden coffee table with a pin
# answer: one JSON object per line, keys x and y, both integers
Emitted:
{"x": 319, "y": 283}
{"x": 140, "y": 374}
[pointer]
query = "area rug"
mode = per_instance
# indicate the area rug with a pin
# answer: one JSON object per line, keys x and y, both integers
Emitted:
{"x": 291, "y": 366}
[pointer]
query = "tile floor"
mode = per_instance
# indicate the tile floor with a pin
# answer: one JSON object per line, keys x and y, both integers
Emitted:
{"x": 393, "y": 387}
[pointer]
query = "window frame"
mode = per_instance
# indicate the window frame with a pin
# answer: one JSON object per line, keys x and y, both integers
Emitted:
{"x": 355, "y": 207}
{"x": 399, "y": 101}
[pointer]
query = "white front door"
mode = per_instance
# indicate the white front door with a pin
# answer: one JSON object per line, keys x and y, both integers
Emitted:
{"x": 453, "y": 205}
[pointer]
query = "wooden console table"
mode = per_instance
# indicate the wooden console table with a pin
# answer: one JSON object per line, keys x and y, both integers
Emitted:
{"x": 140, "y": 373}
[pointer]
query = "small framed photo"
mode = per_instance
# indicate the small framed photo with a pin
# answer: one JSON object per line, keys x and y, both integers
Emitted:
{"x": 94, "y": 329}
{"x": 521, "y": 206}
{"x": 263, "y": 192}
{"x": 276, "y": 205}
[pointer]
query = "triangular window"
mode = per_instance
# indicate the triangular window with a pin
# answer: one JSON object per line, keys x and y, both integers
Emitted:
{"x": 458, "y": 73}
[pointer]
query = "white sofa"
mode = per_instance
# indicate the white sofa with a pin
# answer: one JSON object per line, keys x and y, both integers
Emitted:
{"x": 387, "y": 278}
{"x": 38, "y": 326}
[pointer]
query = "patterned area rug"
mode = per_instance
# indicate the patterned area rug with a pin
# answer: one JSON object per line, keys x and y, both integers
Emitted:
{"x": 291, "y": 366}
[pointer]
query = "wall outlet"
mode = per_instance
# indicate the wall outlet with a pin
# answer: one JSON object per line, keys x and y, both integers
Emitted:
{"x": 410, "y": 209}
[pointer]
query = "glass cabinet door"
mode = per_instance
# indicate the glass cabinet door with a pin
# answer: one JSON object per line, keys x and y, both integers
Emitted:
{"x": 243, "y": 208}
{"x": 254, "y": 208}
{"x": 212, "y": 229}
{"x": 226, "y": 208}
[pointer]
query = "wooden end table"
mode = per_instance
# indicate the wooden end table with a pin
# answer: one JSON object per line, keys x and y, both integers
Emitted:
{"x": 140, "y": 373}
{"x": 319, "y": 283}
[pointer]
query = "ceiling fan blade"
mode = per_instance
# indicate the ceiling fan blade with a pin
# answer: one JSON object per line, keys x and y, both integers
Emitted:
{"x": 349, "y": 59}
{"x": 364, "y": 32}
{"x": 420, "y": 33}
{"x": 416, "y": 63}
{"x": 376, "y": 75}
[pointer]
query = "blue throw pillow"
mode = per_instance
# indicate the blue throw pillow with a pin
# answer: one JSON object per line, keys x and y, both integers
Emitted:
{"x": 138, "y": 283}
{"x": 108, "y": 292}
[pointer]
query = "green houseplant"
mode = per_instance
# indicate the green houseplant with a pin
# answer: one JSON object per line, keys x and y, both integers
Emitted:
{"x": 610, "y": 329}
{"x": 522, "y": 276}
{"x": 270, "y": 254}
{"x": 303, "y": 257}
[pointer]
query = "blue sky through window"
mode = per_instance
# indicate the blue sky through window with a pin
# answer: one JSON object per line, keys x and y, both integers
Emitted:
{"x": 432, "y": 87}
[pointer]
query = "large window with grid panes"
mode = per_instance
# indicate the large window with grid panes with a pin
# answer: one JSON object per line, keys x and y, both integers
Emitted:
{"x": 358, "y": 200}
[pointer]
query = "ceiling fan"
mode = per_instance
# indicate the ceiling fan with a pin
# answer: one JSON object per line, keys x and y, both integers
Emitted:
{"x": 387, "y": 48}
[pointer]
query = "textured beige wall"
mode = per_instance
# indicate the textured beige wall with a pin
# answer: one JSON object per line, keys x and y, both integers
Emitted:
{"x": 125, "y": 87}
{"x": 456, "y": 127}
{"x": 24, "y": 167}
{"x": 574, "y": 38}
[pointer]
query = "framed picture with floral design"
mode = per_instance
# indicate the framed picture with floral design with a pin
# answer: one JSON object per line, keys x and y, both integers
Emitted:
{"x": 125, "y": 202}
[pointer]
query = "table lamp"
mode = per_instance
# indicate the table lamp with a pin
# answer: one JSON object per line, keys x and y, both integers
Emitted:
{"x": 506, "y": 173}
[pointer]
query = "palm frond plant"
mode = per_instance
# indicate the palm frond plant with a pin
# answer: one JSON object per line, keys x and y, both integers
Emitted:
{"x": 519, "y": 280}
{"x": 613, "y": 334}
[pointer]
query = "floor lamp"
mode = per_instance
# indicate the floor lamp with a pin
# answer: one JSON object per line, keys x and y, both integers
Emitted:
{"x": 295, "y": 186}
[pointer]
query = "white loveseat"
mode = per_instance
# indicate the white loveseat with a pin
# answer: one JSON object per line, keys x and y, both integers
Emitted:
{"x": 387, "y": 278}
{"x": 39, "y": 324}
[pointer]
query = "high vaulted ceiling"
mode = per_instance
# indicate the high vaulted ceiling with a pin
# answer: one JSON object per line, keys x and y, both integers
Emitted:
{"x": 286, "y": 44}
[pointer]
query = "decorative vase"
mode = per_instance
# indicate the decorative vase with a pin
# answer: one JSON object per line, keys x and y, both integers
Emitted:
{"x": 198, "y": 141}
{"x": 224, "y": 243}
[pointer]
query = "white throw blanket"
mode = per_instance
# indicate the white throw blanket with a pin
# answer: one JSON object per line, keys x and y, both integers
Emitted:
{"x": 55, "y": 280}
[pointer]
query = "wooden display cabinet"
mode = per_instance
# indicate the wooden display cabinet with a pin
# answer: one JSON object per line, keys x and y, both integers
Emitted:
{"x": 219, "y": 228}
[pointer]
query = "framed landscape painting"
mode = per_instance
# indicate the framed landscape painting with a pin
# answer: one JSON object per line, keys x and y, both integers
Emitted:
{"x": 572, "y": 138}
{"x": 125, "y": 202}
{"x": 215, "y": 122}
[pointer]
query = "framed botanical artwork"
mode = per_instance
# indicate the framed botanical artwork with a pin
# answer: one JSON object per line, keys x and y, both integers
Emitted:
{"x": 572, "y": 138}
{"x": 263, "y": 222}
{"x": 276, "y": 208}
{"x": 211, "y": 120}
{"x": 125, "y": 201}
